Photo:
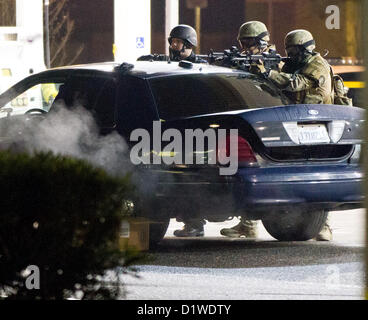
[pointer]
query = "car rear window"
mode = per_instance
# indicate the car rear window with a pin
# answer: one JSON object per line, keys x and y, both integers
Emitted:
{"x": 191, "y": 95}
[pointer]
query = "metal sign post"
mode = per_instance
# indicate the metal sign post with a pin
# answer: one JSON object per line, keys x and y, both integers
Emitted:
{"x": 47, "y": 33}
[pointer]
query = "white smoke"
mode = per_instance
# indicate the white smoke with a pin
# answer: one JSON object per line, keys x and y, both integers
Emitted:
{"x": 72, "y": 132}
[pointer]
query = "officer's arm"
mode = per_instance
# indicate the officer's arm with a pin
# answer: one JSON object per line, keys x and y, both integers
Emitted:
{"x": 153, "y": 57}
{"x": 147, "y": 57}
{"x": 290, "y": 81}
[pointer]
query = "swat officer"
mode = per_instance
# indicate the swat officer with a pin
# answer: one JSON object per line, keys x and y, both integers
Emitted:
{"x": 253, "y": 38}
{"x": 182, "y": 40}
{"x": 305, "y": 78}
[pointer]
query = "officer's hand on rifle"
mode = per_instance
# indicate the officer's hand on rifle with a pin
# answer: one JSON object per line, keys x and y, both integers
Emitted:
{"x": 258, "y": 68}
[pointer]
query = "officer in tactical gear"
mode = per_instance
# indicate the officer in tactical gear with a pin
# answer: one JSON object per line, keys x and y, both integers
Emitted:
{"x": 253, "y": 38}
{"x": 306, "y": 79}
{"x": 182, "y": 40}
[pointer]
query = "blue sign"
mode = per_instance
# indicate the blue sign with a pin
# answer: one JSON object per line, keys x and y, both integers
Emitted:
{"x": 139, "y": 42}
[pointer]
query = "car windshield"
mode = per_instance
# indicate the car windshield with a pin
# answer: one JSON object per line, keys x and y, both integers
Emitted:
{"x": 191, "y": 95}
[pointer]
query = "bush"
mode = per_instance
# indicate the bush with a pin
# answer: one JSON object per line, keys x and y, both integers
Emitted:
{"x": 63, "y": 216}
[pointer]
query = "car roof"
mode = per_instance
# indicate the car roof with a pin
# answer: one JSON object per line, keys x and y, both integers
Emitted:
{"x": 146, "y": 69}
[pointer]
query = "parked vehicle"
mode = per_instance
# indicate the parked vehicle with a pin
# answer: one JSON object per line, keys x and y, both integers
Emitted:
{"x": 294, "y": 162}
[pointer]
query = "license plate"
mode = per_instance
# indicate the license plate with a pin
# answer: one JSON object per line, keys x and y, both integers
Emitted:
{"x": 313, "y": 134}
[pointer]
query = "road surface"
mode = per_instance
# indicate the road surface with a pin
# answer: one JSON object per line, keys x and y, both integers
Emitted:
{"x": 216, "y": 267}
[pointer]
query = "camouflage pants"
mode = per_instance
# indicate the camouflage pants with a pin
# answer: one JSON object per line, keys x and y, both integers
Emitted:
{"x": 252, "y": 224}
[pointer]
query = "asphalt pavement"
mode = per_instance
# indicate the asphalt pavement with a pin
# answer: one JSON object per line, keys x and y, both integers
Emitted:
{"x": 216, "y": 267}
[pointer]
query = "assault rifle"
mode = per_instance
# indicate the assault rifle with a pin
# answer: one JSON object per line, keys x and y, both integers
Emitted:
{"x": 223, "y": 59}
{"x": 234, "y": 59}
{"x": 271, "y": 60}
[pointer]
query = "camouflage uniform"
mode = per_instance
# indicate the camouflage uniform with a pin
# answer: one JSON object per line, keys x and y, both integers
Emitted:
{"x": 306, "y": 81}
{"x": 256, "y": 32}
{"x": 310, "y": 84}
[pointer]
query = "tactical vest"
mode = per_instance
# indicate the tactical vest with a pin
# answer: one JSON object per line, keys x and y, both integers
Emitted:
{"x": 316, "y": 69}
{"x": 339, "y": 96}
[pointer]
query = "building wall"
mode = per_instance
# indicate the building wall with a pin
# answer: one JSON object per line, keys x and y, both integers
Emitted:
{"x": 283, "y": 16}
{"x": 220, "y": 22}
{"x": 7, "y": 13}
{"x": 158, "y": 41}
{"x": 94, "y": 29}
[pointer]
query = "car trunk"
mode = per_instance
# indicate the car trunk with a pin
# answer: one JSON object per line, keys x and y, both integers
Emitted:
{"x": 292, "y": 133}
{"x": 307, "y": 132}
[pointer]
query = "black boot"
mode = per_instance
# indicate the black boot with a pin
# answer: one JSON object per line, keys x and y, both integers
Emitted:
{"x": 190, "y": 230}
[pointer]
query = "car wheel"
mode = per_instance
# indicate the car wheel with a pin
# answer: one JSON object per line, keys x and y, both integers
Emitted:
{"x": 157, "y": 231}
{"x": 289, "y": 225}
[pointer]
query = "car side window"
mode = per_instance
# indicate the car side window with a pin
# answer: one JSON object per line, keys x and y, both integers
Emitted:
{"x": 39, "y": 96}
{"x": 104, "y": 106}
{"x": 190, "y": 95}
{"x": 96, "y": 95}
{"x": 136, "y": 109}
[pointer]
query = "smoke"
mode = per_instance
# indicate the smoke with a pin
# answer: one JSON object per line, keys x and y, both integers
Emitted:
{"x": 74, "y": 132}
{"x": 71, "y": 132}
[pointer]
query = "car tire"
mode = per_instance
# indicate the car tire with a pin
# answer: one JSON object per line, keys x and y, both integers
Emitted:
{"x": 157, "y": 232}
{"x": 289, "y": 225}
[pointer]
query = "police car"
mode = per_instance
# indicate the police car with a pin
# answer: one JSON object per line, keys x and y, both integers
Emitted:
{"x": 260, "y": 156}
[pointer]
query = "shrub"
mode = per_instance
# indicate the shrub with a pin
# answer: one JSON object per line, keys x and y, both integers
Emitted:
{"x": 62, "y": 215}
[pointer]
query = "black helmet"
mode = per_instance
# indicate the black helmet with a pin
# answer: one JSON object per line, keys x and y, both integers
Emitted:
{"x": 185, "y": 33}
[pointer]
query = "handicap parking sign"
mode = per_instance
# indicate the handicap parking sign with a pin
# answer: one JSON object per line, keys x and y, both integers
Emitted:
{"x": 139, "y": 42}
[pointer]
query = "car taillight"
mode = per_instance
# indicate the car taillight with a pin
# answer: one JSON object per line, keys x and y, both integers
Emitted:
{"x": 357, "y": 156}
{"x": 245, "y": 157}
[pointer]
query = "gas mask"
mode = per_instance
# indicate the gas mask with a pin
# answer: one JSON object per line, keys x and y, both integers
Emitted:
{"x": 298, "y": 55}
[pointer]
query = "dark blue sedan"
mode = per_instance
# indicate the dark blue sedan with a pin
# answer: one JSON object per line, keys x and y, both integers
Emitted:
{"x": 211, "y": 143}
